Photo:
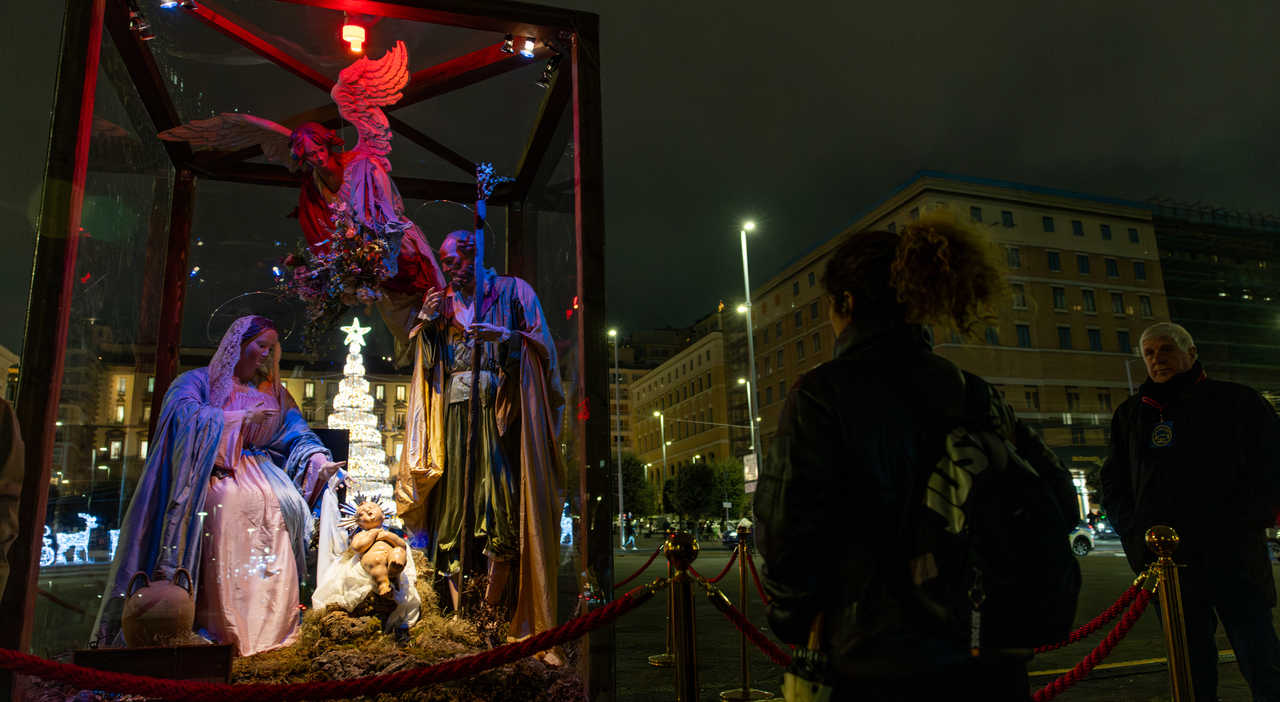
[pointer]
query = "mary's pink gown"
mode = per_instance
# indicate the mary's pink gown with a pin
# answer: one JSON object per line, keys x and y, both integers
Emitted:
{"x": 249, "y": 578}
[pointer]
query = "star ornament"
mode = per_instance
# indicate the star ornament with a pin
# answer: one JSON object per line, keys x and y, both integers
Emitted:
{"x": 355, "y": 333}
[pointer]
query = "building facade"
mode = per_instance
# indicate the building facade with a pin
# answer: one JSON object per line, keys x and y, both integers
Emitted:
{"x": 1086, "y": 279}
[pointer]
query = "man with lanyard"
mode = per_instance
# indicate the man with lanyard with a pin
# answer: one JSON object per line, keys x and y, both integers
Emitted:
{"x": 1202, "y": 456}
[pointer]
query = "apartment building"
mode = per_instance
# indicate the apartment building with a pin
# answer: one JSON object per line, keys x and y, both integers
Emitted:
{"x": 1086, "y": 279}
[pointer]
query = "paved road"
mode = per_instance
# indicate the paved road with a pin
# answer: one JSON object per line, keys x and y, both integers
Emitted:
{"x": 1106, "y": 576}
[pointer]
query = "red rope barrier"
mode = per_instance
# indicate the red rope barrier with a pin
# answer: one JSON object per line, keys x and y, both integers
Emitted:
{"x": 1076, "y": 674}
{"x": 749, "y": 630}
{"x": 1100, "y": 621}
{"x": 90, "y": 679}
{"x": 643, "y": 568}
{"x": 723, "y": 573}
{"x": 756, "y": 576}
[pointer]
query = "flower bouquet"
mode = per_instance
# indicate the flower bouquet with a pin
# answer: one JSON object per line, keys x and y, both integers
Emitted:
{"x": 344, "y": 270}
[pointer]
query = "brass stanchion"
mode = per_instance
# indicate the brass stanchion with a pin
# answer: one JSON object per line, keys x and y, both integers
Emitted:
{"x": 666, "y": 660}
{"x": 1164, "y": 541}
{"x": 682, "y": 551}
{"x": 745, "y": 692}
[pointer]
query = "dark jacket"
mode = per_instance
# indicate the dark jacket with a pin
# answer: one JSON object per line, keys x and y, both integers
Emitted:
{"x": 834, "y": 490}
{"x": 1217, "y": 483}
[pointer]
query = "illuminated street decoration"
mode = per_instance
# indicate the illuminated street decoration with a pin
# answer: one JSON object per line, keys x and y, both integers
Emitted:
{"x": 75, "y": 541}
{"x": 366, "y": 458}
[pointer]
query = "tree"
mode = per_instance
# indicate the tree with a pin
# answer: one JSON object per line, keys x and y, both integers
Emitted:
{"x": 693, "y": 493}
{"x": 729, "y": 486}
{"x": 366, "y": 456}
{"x": 638, "y": 495}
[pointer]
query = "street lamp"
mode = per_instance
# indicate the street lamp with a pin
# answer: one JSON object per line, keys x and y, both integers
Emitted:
{"x": 751, "y": 344}
{"x": 662, "y": 431}
{"x": 617, "y": 408}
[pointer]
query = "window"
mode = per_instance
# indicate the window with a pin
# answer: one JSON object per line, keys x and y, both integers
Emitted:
{"x": 1032, "y": 396}
{"x": 1144, "y": 303}
{"x": 799, "y": 319}
{"x": 1117, "y": 303}
{"x": 1060, "y": 298}
{"x": 142, "y": 449}
{"x": 1139, "y": 270}
{"x": 1077, "y": 227}
{"x": 777, "y": 329}
{"x": 119, "y": 414}
{"x": 1073, "y": 399}
{"x": 782, "y": 391}
{"x": 146, "y": 414}
{"x": 331, "y": 390}
{"x": 1082, "y": 263}
{"x": 1064, "y": 337}
{"x": 1024, "y": 335}
{"x": 768, "y": 395}
{"x": 915, "y": 213}
{"x": 781, "y": 358}
{"x": 399, "y": 449}
{"x": 400, "y": 392}
{"x": 1133, "y": 235}
{"x": 795, "y": 288}
{"x": 1019, "y": 296}
{"x": 1006, "y": 218}
{"x": 1095, "y": 339}
{"x": 380, "y": 392}
{"x": 1122, "y": 337}
{"x": 400, "y": 418}
{"x": 813, "y": 310}
{"x": 1015, "y": 257}
{"x": 892, "y": 228}
{"x": 151, "y": 384}
{"x": 309, "y": 391}
{"x": 117, "y": 449}
{"x": 1048, "y": 223}
{"x": 993, "y": 336}
{"x": 1113, "y": 268}
{"x": 1089, "y": 304}
{"x": 766, "y": 336}
{"x": 975, "y": 213}
{"x": 121, "y": 384}
{"x": 813, "y": 280}
{"x": 1104, "y": 400}
{"x": 800, "y": 350}
{"x": 1055, "y": 263}
{"x": 1077, "y": 435}
{"x": 817, "y": 342}
{"x": 1106, "y": 232}
{"x": 768, "y": 365}
{"x": 309, "y": 415}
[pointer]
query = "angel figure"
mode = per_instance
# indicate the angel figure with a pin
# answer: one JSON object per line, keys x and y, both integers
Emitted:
{"x": 377, "y": 561}
{"x": 360, "y": 177}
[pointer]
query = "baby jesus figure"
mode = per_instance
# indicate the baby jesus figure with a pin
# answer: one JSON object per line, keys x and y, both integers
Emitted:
{"x": 382, "y": 554}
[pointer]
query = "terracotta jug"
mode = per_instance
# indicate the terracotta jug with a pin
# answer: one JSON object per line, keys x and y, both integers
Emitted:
{"x": 159, "y": 613}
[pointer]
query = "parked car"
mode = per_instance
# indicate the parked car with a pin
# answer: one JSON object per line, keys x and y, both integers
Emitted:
{"x": 730, "y": 539}
{"x": 1082, "y": 539}
{"x": 1102, "y": 530}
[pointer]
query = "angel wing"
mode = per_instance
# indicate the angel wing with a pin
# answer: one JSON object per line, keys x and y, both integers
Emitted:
{"x": 363, "y": 88}
{"x": 235, "y": 130}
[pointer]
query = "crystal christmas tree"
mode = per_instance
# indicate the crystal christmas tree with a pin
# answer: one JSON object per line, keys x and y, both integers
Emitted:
{"x": 366, "y": 459}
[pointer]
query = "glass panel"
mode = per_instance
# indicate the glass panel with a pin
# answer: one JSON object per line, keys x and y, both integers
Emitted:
{"x": 115, "y": 305}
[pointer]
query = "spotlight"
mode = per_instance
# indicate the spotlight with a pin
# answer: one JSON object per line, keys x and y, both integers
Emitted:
{"x": 527, "y": 51}
{"x": 188, "y": 4}
{"x": 169, "y": 4}
{"x": 136, "y": 21}
{"x": 146, "y": 34}
{"x": 352, "y": 33}
{"x": 545, "y": 80}
{"x": 509, "y": 45}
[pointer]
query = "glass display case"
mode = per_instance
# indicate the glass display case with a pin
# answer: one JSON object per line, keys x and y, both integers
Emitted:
{"x": 147, "y": 248}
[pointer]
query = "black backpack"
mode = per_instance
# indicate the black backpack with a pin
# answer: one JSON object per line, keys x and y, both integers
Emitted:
{"x": 987, "y": 554}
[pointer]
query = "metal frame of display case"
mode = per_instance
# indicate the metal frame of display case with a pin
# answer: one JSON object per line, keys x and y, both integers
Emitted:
{"x": 575, "y": 93}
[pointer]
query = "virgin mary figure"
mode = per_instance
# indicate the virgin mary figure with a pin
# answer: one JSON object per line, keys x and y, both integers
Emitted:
{"x": 226, "y": 494}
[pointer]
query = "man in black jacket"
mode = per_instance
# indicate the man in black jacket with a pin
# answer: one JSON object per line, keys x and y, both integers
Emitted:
{"x": 1202, "y": 456}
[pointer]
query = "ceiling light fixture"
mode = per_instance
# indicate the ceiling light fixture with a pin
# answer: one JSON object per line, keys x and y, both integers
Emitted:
{"x": 146, "y": 34}
{"x": 549, "y": 72}
{"x": 352, "y": 33}
{"x": 529, "y": 45}
{"x": 509, "y": 45}
{"x": 188, "y": 4}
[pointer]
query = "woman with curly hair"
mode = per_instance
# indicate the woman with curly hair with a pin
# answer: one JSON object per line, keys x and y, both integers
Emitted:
{"x": 852, "y": 440}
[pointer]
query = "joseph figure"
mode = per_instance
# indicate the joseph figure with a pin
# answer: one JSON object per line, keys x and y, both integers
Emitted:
{"x": 519, "y": 478}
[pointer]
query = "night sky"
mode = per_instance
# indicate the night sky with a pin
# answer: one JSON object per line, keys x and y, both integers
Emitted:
{"x": 716, "y": 112}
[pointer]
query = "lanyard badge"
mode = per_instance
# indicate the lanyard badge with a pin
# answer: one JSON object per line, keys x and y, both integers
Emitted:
{"x": 1162, "y": 435}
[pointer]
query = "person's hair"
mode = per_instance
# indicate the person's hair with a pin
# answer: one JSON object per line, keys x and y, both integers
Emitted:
{"x": 935, "y": 271}
{"x": 1180, "y": 335}
{"x": 466, "y": 243}
{"x": 257, "y": 326}
{"x": 317, "y": 132}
